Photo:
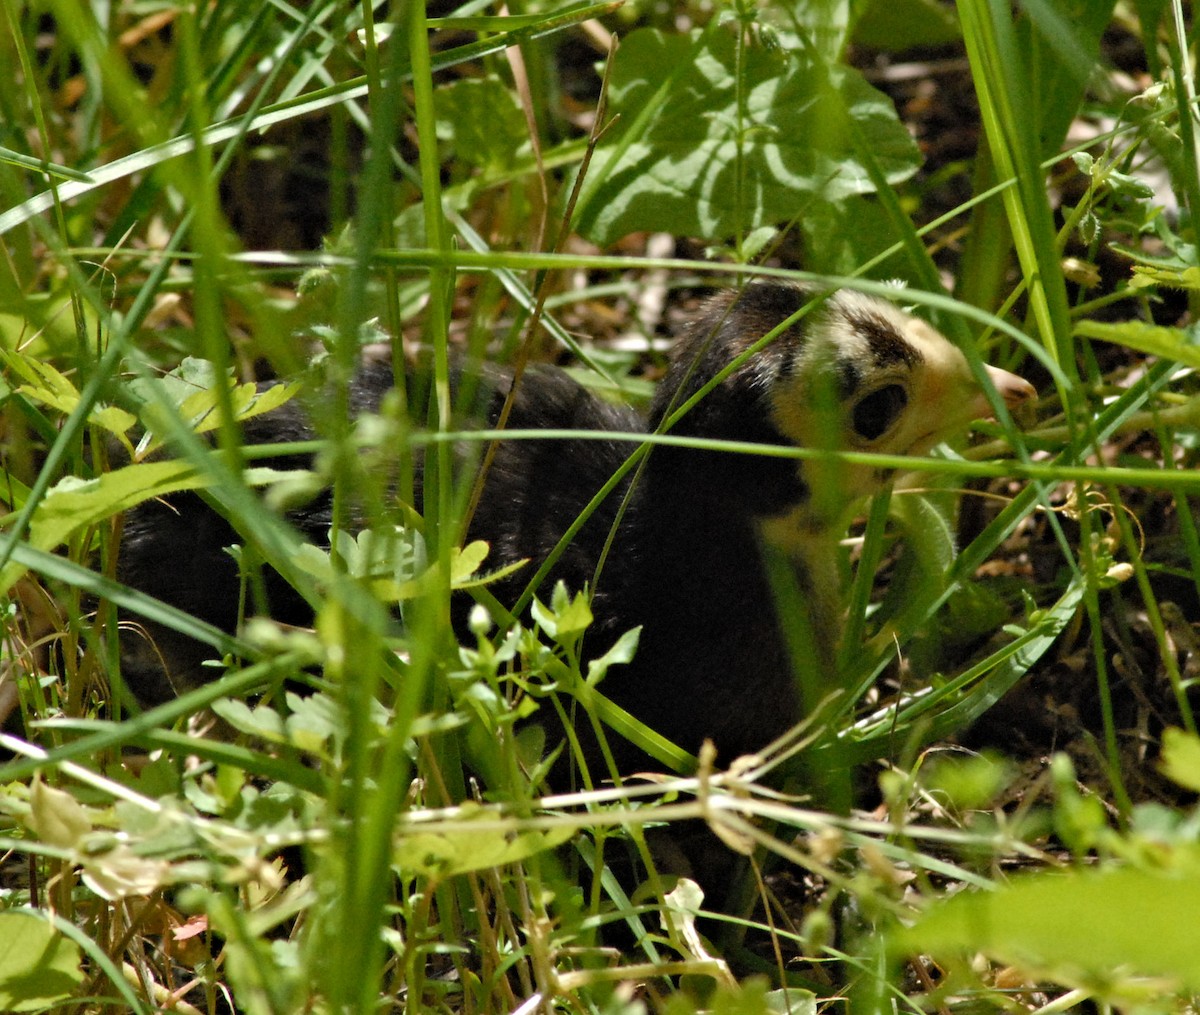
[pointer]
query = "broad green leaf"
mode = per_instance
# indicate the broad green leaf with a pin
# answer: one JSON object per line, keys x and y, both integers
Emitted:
{"x": 448, "y": 849}
{"x": 482, "y": 120}
{"x": 825, "y": 24}
{"x": 680, "y": 158}
{"x": 841, "y": 236}
{"x": 198, "y": 407}
{"x": 192, "y": 375}
{"x": 56, "y": 817}
{"x": 38, "y": 966}
{"x": 898, "y": 25}
{"x": 1181, "y": 758}
{"x": 73, "y": 504}
{"x": 1060, "y": 39}
{"x": 1155, "y": 340}
{"x": 1095, "y": 929}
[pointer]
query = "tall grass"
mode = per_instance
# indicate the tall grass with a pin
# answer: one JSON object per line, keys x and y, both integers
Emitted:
{"x": 423, "y": 865}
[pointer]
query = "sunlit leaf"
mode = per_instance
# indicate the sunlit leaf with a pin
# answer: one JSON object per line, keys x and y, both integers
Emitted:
{"x": 449, "y": 850}
{"x": 38, "y": 966}
{"x": 56, "y": 817}
{"x": 682, "y": 159}
{"x": 1153, "y": 339}
{"x": 121, "y": 873}
{"x": 1094, "y": 929}
{"x": 1181, "y": 758}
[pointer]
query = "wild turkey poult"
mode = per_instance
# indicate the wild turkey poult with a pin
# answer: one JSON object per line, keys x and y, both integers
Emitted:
{"x": 686, "y": 562}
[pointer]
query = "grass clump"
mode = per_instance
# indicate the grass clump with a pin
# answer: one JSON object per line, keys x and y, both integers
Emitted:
{"x": 352, "y": 817}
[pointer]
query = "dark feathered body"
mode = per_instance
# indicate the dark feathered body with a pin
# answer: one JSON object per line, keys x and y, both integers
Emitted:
{"x": 686, "y": 562}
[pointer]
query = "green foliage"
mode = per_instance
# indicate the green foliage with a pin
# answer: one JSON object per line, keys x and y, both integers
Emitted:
{"x": 39, "y": 967}
{"x": 899, "y": 26}
{"x": 354, "y": 817}
{"x": 719, "y": 135}
{"x": 483, "y": 124}
{"x": 1181, "y": 758}
{"x": 1086, "y": 929}
{"x": 1155, "y": 340}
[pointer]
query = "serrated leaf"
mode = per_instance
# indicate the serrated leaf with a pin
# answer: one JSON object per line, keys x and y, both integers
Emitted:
{"x": 261, "y": 721}
{"x": 313, "y": 720}
{"x": 246, "y": 401}
{"x": 1147, "y": 275}
{"x": 574, "y": 618}
{"x": 394, "y": 553}
{"x": 1155, "y": 340}
{"x": 477, "y": 579}
{"x": 43, "y": 382}
{"x": 73, "y": 504}
{"x": 38, "y": 966}
{"x": 464, "y": 571}
{"x": 681, "y": 159}
{"x": 47, "y": 386}
{"x": 566, "y": 618}
{"x": 197, "y": 405}
{"x": 388, "y": 560}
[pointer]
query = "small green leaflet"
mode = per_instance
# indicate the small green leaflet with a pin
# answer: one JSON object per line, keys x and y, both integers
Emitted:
{"x": 73, "y": 504}
{"x": 1155, "y": 340}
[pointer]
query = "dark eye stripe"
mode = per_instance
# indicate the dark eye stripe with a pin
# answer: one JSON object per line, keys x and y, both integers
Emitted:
{"x": 849, "y": 377}
{"x": 886, "y": 344}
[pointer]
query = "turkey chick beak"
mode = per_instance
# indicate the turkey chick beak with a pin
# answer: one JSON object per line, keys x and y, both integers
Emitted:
{"x": 1016, "y": 392}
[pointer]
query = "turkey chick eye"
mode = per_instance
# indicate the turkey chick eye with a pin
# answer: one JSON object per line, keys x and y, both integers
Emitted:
{"x": 875, "y": 414}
